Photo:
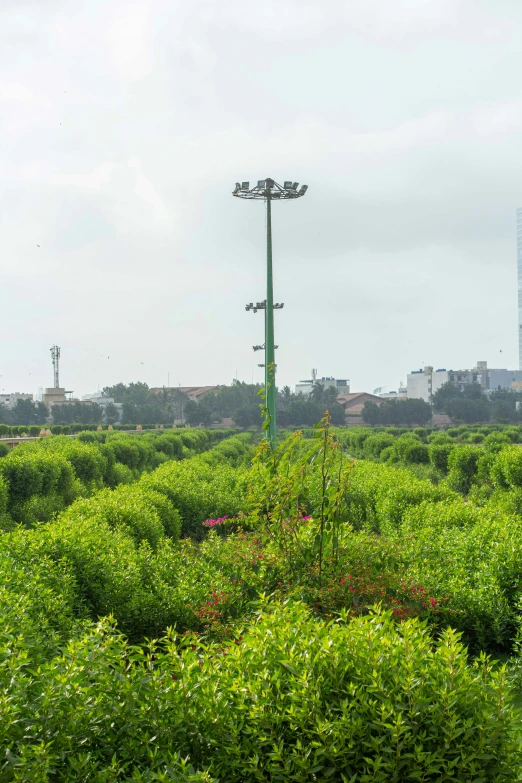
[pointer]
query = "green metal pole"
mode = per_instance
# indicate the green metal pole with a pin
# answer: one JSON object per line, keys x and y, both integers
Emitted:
{"x": 269, "y": 329}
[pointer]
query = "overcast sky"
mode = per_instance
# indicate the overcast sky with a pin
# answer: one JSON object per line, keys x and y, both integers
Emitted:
{"x": 124, "y": 126}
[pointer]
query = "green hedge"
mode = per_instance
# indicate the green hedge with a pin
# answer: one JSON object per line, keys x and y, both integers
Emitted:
{"x": 44, "y": 476}
{"x": 295, "y": 699}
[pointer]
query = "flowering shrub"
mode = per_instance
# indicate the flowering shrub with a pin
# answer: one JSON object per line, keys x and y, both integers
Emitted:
{"x": 214, "y": 522}
{"x": 357, "y": 592}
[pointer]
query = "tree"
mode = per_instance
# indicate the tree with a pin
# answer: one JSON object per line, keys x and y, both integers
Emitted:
{"x": 469, "y": 411}
{"x": 24, "y": 412}
{"x": 398, "y": 413}
{"x": 117, "y": 392}
{"x": 440, "y": 399}
{"x": 371, "y": 413}
{"x": 42, "y": 412}
{"x": 198, "y": 413}
{"x": 111, "y": 413}
{"x": 248, "y": 416}
{"x": 337, "y": 414}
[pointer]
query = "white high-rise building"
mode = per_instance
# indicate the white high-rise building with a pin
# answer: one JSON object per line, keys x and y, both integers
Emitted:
{"x": 519, "y": 265}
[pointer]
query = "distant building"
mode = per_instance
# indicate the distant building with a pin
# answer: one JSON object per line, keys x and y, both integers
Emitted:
{"x": 305, "y": 387}
{"x": 422, "y": 384}
{"x": 53, "y": 396}
{"x": 401, "y": 394}
{"x": 10, "y": 400}
{"x": 194, "y": 393}
{"x": 98, "y": 399}
{"x": 354, "y": 403}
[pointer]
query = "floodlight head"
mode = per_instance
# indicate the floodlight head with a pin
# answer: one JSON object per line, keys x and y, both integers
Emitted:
{"x": 303, "y": 190}
{"x": 269, "y": 189}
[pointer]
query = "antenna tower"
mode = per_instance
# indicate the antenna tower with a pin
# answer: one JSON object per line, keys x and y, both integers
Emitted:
{"x": 55, "y": 353}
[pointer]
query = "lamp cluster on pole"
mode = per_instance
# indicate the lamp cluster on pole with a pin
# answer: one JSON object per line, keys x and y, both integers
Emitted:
{"x": 268, "y": 190}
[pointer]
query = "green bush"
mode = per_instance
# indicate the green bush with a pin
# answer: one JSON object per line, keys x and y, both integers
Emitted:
{"x": 375, "y": 444}
{"x": 29, "y": 473}
{"x": 110, "y": 571}
{"x": 295, "y": 699}
{"x": 416, "y": 454}
{"x": 462, "y": 465}
{"x": 123, "y": 508}
{"x": 506, "y": 470}
{"x": 199, "y": 491}
{"x": 496, "y": 441}
{"x": 475, "y": 437}
{"x": 440, "y": 437}
{"x": 378, "y": 496}
{"x": 439, "y": 454}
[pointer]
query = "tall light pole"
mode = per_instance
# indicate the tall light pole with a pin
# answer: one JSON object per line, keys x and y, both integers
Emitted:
{"x": 268, "y": 190}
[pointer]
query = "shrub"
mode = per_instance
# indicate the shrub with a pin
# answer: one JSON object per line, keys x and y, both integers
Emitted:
{"x": 440, "y": 437}
{"x": 198, "y": 491}
{"x": 120, "y": 474}
{"x": 123, "y": 508}
{"x": 496, "y": 441}
{"x": 378, "y": 496}
{"x": 475, "y": 437}
{"x": 416, "y": 453}
{"x": 34, "y": 472}
{"x": 506, "y": 470}
{"x": 108, "y": 568}
{"x": 462, "y": 465}
{"x": 383, "y": 704}
{"x": 375, "y": 444}
{"x": 439, "y": 454}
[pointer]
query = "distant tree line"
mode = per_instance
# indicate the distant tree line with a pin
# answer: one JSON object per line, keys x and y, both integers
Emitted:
{"x": 397, "y": 413}
{"x": 240, "y": 402}
{"x": 472, "y": 405}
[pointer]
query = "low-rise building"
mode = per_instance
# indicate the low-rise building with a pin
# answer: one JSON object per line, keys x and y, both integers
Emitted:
{"x": 54, "y": 396}
{"x": 10, "y": 400}
{"x": 422, "y": 384}
{"x": 327, "y": 382}
{"x": 401, "y": 394}
{"x": 354, "y": 403}
{"x": 194, "y": 393}
{"x": 98, "y": 399}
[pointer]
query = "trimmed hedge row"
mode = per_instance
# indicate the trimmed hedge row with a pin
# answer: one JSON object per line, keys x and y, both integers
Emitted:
{"x": 45, "y": 476}
{"x": 295, "y": 699}
{"x": 119, "y": 545}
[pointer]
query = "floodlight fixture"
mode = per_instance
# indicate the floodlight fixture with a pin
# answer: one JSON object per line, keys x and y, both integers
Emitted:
{"x": 269, "y": 190}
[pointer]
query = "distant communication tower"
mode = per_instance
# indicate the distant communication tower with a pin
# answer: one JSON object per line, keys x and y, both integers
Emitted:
{"x": 55, "y": 353}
